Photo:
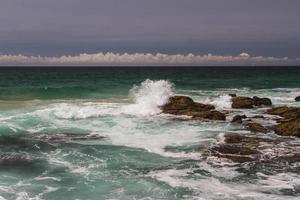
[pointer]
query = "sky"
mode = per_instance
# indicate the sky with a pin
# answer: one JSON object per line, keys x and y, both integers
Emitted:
{"x": 55, "y": 28}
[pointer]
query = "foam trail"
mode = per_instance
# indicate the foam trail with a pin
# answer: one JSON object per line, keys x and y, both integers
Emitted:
{"x": 148, "y": 97}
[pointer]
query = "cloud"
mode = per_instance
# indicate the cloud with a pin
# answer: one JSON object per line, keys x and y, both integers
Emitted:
{"x": 141, "y": 59}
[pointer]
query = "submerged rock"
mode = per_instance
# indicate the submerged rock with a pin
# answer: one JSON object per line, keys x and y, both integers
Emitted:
{"x": 16, "y": 159}
{"x": 242, "y": 148}
{"x": 242, "y": 102}
{"x": 297, "y": 98}
{"x": 212, "y": 115}
{"x": 182, "y": 105}
{"x": 238, "y": 119}
{"x": 256, "y": 127}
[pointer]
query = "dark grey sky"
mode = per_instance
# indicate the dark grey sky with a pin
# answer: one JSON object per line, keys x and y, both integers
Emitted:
{"x": 226, "y": 27}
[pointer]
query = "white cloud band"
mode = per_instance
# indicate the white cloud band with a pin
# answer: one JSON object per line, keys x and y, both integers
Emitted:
{"x": 141, "y": 59}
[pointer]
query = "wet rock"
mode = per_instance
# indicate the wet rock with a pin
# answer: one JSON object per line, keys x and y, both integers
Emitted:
{"x": 234, "y": 153}
{"x": 242, "y": 102}
{"x": 238, "y": 119}
{"x": 258, "y": 117}
{"x": 256, "y": 127}
{"x": 242, "y": 148}
{"x": 297, "y": 98}
{"x": 247, "y": 102}
{"x": 245, "y": 140}
{"x": 182, "y": 105}
{"x": 285, "y": 112}
{"x": 232, "y": 95}
{"x": 290, "y": 158}
{"x": 289, "y": 128}
{"x": 262, "y": 101}
{"x": 211, "y": 115}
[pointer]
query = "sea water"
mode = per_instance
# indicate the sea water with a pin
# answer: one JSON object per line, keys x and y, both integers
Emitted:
{"x": 126, "y": 148}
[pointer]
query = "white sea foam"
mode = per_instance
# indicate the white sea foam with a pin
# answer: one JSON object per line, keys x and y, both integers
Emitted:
{"x": 221, "y": 102}
{"x": 148, "y": 97}
{"x": 84, "y": 111}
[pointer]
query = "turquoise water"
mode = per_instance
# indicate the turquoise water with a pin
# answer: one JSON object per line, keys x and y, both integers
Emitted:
{"x": 97, "y": 133}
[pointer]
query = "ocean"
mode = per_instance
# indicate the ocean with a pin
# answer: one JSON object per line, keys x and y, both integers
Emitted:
{"x": 98, "y": 133}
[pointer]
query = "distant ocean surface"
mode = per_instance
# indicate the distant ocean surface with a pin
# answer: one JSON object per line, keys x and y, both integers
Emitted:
{"x": 98, "y": 133}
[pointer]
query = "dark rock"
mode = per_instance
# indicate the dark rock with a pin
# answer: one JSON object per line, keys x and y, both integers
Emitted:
{"x": 297, "y": 98}
{"x": 291, "y": 158}
{"x": 290, "y": 124}
{"x": 182, "y": 105}
{"x": 258, "y": 117}
{"x": 256, "y": 127}
{"x": 285, "y": 112}
{"x": 234, "y": 149}
{"x": 242, "y": 148}
{"x": 211, "y": 115}
{"x": 238, "y": 119}
{"x": 262, "y": 101}
{"x": 232, "y": 95}
{"x": 242, "y": 102}
{"x": 289, "y": 128}
{"x": 247, "y": 102}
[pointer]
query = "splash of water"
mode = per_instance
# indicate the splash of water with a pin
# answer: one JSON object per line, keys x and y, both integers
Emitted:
{"x": 148, "y": 97}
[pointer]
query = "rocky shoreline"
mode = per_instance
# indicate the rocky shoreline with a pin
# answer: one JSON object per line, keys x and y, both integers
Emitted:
{"x": 283, "y": 146}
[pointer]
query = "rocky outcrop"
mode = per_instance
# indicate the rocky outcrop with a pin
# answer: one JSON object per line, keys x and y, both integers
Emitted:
{"x": 290, "y": 124}
{"x": 242, "y": 102}
{"x": 238, "y": 119}
{"x": 242, "y": 148}
{"x": 262, "y": 101}
{"x": 256, "y": 127}
{"x": 285, "y": 112}
{"x": 182, "y": 105}
{"x": 289, "y": 128}
{"x": 247, "y": 102}
{"x": 212, "y": 115}
{"x": 297, "y": 98}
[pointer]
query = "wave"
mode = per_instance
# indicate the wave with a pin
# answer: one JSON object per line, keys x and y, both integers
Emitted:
{"x": 148, "y": 97}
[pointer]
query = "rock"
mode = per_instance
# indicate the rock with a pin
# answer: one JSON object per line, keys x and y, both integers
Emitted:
{"x": 241, "y": 148}
{"x": 234, "y": 153}
{"x": 297, "y": 98}
{"x": 242, "y": 102}
{"x": 291, "y": 158}
{"x": 256, "y": 127}
{"x": 262, "y": 101}
{"x": 211, "y": 115}
{"x": 237, "y": 148}
{"x": 290, "y": 124}
{"x": 247, "y": 102}
{"x": 289, "y": 128}
{"x": 238, "y": 119}
{"x": 285, "y": 112}
{"x": 182, "y": 105}
{"x": 232, "y": 95}
{"x": 258, "y": 117}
